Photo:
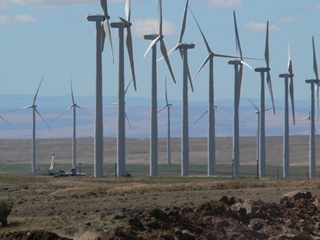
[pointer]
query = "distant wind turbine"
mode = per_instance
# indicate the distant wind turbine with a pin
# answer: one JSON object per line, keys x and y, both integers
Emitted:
{"x": 34, "y": 111}
{"x": 262, "y": 71}
{"x": 286, "y": 77}
{"x": 314, "y": 86}
{"x": 238, "y": 70}
{"x": 102, "y": 31}
{"x": 168, "y": 106}
{"x": 121, "y": 141}
{"x": 116, "y": 103}
{"x": 258, "y": 133}
{"x": 183, "y": 49}
{"x": 74, "y": 107}
{"x": 211, "y": 111}
{"x": 154, "y": 120}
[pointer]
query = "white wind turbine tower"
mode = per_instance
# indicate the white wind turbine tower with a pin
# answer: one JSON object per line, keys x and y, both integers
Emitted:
{"x": 238, "y": 70}
{"x": 121, "y": 141}
{"x": 102, "y": 30}
{"x": 183, "y": 48}
{"x": 286, "y": 77}
{"x": 34, "y": 111}
{"x": 168, "y": 106}
{"x": 154, "y": 120}
{"x": 312, "y": 150}
{"x": 211, "y": 107}
{"x": 262, "y": 136}
{"x": 74, "y": 107}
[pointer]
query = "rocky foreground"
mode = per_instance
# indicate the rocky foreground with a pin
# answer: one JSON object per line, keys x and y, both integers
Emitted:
{"x": 296, "y": 216}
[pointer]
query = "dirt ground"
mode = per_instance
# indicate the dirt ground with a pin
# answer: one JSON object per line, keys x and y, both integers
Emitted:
{"x": 85, "y": 208}
{"x": 75, "y": 206}
{"x": 138, "y": 150}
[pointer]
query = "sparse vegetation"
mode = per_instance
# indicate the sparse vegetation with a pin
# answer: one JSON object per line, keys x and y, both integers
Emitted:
{"x": 5, "y": 210}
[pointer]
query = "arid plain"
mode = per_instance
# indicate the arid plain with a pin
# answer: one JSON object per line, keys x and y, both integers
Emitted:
{"x": 83, "y": 207}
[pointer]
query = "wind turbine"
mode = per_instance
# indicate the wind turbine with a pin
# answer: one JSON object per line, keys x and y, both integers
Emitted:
{"x": 121, "y": 141}
{"x": 183, "y": 49}
{"x": 102, "y": 31}
{"x": 168, "y": 106}
{"x": 258, "y": 133}
{"x": 238, "y": 70}
{"x": 211, "y": 107}
{"x": 116, "y": 103}
{"x": 34, "y": 111}
{"x": 154, "y": 120}
{"x": 74, "y": 107}
{"x": 312, "y": 150}
{"x": 262, "y": 136}
{"x": 286, "y": 77}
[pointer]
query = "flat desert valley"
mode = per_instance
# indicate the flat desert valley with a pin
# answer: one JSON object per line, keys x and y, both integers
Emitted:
{"x": 83, "y": 208}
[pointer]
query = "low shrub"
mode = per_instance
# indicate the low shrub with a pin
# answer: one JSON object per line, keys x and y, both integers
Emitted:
{"x": 5, "y": 210}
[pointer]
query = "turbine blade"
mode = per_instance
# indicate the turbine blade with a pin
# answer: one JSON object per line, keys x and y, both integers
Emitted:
{"x": 266, "y": 53}
{"x": 35, "y": 96}
{"x": 204, "y": 38}
{"x": 5, "y": 120}
{"x": 107, "y": 30}
{"x": 254, "y": 105}
{"x": 160, "y": 16}
{"x": 201, "y": 117}
{"x": 240, "y": 82}
{"x": 79, "y": 107}
{"x": 130, "y": 53}
{"x": 128, "y": 10}
{"x": 103, "y": 37}
{"x": 315, "y": 69}
{"x": 62, "y": 113}
{"x": 166, "y": 58}
{"x": 153, "y": 42}
{"x": 162, "y": 109}
{"x": 189, "y": 77}
{"x": 42, "y": 117}
{"x": 26, "y": 107}
{"x": 72, "y": 92}
{"x": 292, "y": 99}
{"x": 238, "y": 45}
{"x": 104, "y": 7}
{"x": 270, "y": 91}
{"x": 183, "y": 24}
{"x": 128, "y": 120}
{"x": 246, "y": 64}
{"x": 315, "y": 65}
{"x": 125, "y": 91}
{"x": 166, "y": 93}
{"x": 228, "y": 56}
{"x": 290, "y": 70}
{"x": 202, "y": 65}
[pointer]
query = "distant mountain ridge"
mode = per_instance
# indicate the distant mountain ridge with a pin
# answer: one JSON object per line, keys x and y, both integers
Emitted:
{"x": 138, "y": 112}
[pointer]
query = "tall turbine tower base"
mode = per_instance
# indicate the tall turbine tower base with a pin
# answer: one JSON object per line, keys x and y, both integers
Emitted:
{"x": 286, "y": 158}
{"x": 235, "y": 147}
{"x": 98, "y": 122}
{"x": 262, "y": 135}
{"x": 153, "y": 112}
{"x": 121, "y": 140}
{"x": 312, "y": 150}
{"x": 185, "y": 115}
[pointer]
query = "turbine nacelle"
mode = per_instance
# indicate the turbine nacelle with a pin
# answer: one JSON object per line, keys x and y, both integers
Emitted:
{"x": 186, "y": 45}
{"x": 96, "y": 18}
{"x": 286, "y": 75}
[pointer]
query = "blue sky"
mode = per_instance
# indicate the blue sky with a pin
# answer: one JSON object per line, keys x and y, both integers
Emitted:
{"x": 53, "y": 39}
